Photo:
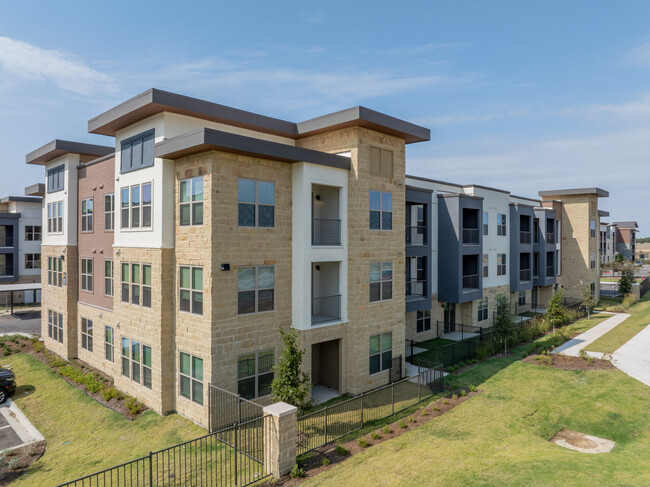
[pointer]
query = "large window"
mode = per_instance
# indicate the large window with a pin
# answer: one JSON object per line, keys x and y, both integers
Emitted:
{"x": 109, "y": 343}
{"x": 87, "y": 215}
{"x": 255, "y": 289}
{"x": 501, "y": 264}
{"x": 381, "y": 210}
{"x": 381, "y": 162}
{"x": 191, "y": 289}
{"x": 136, "y": 284}
{"x": 87, "y": 334}
{"x": 137, "y": 152}
{"x": 191, "y": 201}
{"x": 87, "y": 275}
{"x": 32, "y": 261}
{"x": 109, "y": 212}
{"x": 423, "y": 320}
{"x": 135, "y": 206}
{"x": 55, "y": 325}
{"x": 191, "y": 377}
{"x": 483, "y": 309}
{"x": 55, "y": 177}
{"x": 381, "y": 352}
{"x": 136, "y": 361}
{"x": 256, "y": 203}
{"x": 33, "y": 233}
{"x": 486, "y": 223}
{"x": 254, "y": 374}
{"x": 55, "y": 217}
{"x": 486, "y": 265}
{"x": 108, "y": 277}
{"x": 381, "y": 281}
{"x": 501, "y": 224}
{"x": 55, "y": 271}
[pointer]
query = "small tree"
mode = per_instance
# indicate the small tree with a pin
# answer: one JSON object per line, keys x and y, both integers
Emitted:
{"x": 555, "y": 311}
{"x": 625, "y": 282}
{"x": 503, "y": 325}
{"x": 588, "y": 300}
{"x": 291, "y": 383}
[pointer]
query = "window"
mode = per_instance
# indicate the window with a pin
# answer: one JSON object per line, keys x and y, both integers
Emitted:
{"x": 191, "y": 289}
{"x": 55, "y": 325}
{"x": 592, "y": 288}
{"x": 483, "y": 309}
{"x": 55, "y": 178}
{"x": 109, "y": 212}
{"x": 146, "y": 366}
{"x": 381, "y": 162}
{"x": 486, "y": 223}
{"x": 501, "y": 264}
{"x": 592, "y": 228}
{"x": 33, "y": 233}
{"x": 135, "y": 206}
{"x": 135, "y": 283}
{"x": 137, "y": 152}
{"x": 108, "y": 277}
{"x": 191, "y": 378}
{"x": 521, "y": 301}
{"x": 501, "y": 224}
{"x": 381, "y": 210}
{"x": 592, "y": 260}
{"x": 423, "y": 320}
{"x": 125, "y": 282}
{"x": 87, "y": 334}
{"x": 146, "y": 285}
{"x": 6, "y": 264}
{"x": 87, "y": 215}
{"x": 255, "y": 289}
{"x": 126, "y": 357}
{"x": 381, "y": 352}
{"x": 136, "y": 289}
{"x": 136, "y": 361}
{"x": 191, "y": 201}
{"x": 109, "y": 339}
{"x": 87, "y": 275}
{"x": 254, "y": 374}
{"x": 256, "y": 203}
{"x": 381, "y": 281}
{"x": 486, "y": 267}
{"x": 55, "y": 271}
{"x": 32, "y": 261}
{"x": 55, "y": 217}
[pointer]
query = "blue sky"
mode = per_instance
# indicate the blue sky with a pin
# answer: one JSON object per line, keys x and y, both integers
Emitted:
{"x": 519, "y": 95}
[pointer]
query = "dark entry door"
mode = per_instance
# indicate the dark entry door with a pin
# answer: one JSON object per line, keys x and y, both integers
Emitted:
{"x": 450, "y": 317}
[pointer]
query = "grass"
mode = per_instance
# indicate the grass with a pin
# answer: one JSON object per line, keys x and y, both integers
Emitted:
{"x": 584, "y": 324}
{"x": 500, "y": 437}
{"x": 616, "y": 279}
{"x": 607, "y": 303}
{"x": 82, "y": 435}
{"x": 434, "y": 343}
{"x": 614, "y": 339}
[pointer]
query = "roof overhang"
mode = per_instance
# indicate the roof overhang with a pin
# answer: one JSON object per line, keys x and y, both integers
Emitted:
{"x": 21, "y": 199}
{"x": 598, "y": 192}
{"x": 602, "y": 213}
{"x": 37, "y": 189}
{"x": 58, "y": 148}
{"x": 209, "y": 139}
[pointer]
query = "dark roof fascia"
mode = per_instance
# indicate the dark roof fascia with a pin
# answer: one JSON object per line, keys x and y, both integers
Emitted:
{"x": 37, "y": 189}
{"x": 210, "y": 139}
{"x": 626, "y": 225}
{"x": 460, "y": 195}
{"x": 524, "y": 198}
{"x": 603, "y": 213}
{"x": 21, "y": 199}
{"x": 96, "y": 161}
{"x": 599, "y": 192}
{"x": 434, "y": 181}
{"x": 10, "y": 215}
{"x": 415, "y": 188}
{"x": 58, "y": 148}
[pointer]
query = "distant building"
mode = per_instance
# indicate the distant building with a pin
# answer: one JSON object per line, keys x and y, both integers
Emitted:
{"x": 626, "y": 239}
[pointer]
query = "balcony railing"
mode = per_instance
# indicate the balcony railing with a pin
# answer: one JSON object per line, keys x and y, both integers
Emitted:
{"x": 550, "y": 271}
{"x": 416, "y": 235}
{"x": 550, "y": 238}
{"x": 470, "y": 281}
{"x": 524, "y": 275}
{"x": 7, "y": 270}
{"x": 325, "y": 308}
{"x": 470, "y": 236}
{"x": 7, "y": 242}
{"x": 416, "y": 288}
{"x": 325, "y": 231}
{"x": 524, "y": 238}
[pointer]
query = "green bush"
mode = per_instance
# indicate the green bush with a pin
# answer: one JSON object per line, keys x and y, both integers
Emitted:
{"x": 324, "y": 461}
{"x": 424, "y": 412}
{"x": 463, "y": 393}
{"x": 109, "y": 393}
{"x": 72, "y": 373}
{"x": 93, "y": 382}
{"x": 386, "y": 429}
{"x": 58, "y": 362}
{"x": 472, "y": 388}
{"x": 401, "y": 423}
{"x": 341, "y": 450}
{"x": 375, "y": 435}
{"x": 133, "y": 405}
{"x": 363, "y": 442}
{"x": 296, "y": 472}
{"x": 454, "y": 397}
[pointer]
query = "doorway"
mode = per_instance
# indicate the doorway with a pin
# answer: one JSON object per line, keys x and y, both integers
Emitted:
{"x": 325, "y": 364}
{"x": 450, "y": 318}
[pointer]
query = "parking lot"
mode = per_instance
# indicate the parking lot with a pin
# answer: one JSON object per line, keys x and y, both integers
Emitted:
{"x": 28, "y": 321}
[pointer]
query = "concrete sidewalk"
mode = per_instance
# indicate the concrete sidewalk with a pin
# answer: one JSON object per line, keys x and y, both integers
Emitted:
{"x": 572, "y": 347}
{"x": 633, "y": 358}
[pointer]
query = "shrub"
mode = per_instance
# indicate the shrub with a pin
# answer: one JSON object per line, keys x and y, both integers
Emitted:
{"x": 375, "y": 435}
{"x": 72, "y": 373}
{"x": 411, "y": 419}
{"x": 386, "y": 429}
{"x": 485, "y": 349}
{"x": 424, "y": 412}
{"x": 93, "y": 383}
{"x": 454, "y": 397}
{"x": 436, "y": 408}
{"x": 58, "y": 362}
{"x": 472, "y": 388}
{"x": 445, "y": 401}
{"x": 5, "y": 352}
{"x": 297, "y": 472}
{"x": 133, "y": 405}
{"x": 109, "y": 393}
{"x": 291, "y": 383}
{"x": 324, "y": 461}
{"x": 363, "y": 442}
{"x": 401, "y": 423}
{"x": 341, "y": 450}
{"x": 463, "y": 393}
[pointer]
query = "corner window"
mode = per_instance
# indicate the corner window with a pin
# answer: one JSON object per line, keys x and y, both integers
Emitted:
{"x": 55, "y": 326}
{"x": 191, "y": 201}
{"x": 256, "y": 203}
{"x": 501, "y": 225}
{"x": 191, "y": 377}
{"x": 135, "y": 206}
{"x": 191, "y": 289}
{"x": 109, "y": 339}
{"x": 55, "y": 217}
{"x": 381, "y": 210}
{"x": 87, "y": 215}
{"x": 423, "y": 320}
{"x": 87, "y": 334}
{"x": 109, "y": 212}
{"x": 55, "y": 177}
{"x": 33, "y": 233}
{"x": 381, "y": 352}
{"x": 501, "y": 264}
{"x": 137, "y": 152}
{"x": 32, "y": 261}
{"x": 87, "y": 275}
{"x": 255, "y": 374}
{"x": 381, "y": 281}
{"x": 255, "y": 289}
{"x": 381, "y": 162}
{"x": 483, "y": 309}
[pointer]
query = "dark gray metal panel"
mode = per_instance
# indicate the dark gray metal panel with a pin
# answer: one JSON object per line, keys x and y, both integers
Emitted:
{"x": 207, "y": 139}
{"x": 21, "y": 199}
{"x": 58, "y": 147}
{"x": 11, "y": 219}
{"x": 37, "y": 189}
{"x": 423, "y": 197}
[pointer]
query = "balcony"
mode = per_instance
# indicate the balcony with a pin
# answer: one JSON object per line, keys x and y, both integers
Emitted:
{"x": 325, "y": 308}
{"x": 416, "y": 288}
{"x": 550, "y": 271}
{"x": 416, "y": 235}
{"x": 7, "y": 242}
{"x": 524, "y": 238}
{"x": 470, "y": 236}
{"x": 524, "y": 275}
{"x": 325, "y": 231}
{"x": 470, "y": 282}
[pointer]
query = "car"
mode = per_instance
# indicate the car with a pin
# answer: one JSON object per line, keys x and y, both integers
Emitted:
{"x": 7, "y": 384}
{"x": 638, "y": 263}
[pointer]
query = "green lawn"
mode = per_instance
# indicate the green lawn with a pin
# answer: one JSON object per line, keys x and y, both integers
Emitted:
{"x": 613, "y": 340}
{"x": 82, "y": 435}
{"x": 500, "y": 437}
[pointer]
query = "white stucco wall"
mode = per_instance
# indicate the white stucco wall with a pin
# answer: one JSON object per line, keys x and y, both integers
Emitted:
{"x": 69, "y": 197}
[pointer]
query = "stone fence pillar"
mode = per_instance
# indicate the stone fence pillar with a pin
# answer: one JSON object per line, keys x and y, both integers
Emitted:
{"x": 280, "y": 438}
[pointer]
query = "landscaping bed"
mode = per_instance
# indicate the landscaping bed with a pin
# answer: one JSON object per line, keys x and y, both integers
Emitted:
{"x": 569, "y": 363}
{"x": 15, "y": 462}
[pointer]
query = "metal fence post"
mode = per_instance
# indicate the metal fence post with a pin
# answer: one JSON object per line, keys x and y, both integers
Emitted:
{"x": 392, "y": 398}
{"x": 419, "y": 381}
{"x": 326, "y": 407}
{"x": 236, "y": 450}
{"x": 362, "y": 409}
{"x": 150, "y": 470}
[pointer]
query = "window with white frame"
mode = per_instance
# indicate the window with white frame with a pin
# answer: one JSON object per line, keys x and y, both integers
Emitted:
{"x": 55, "y": 217}
{"x": 109, "y": 212}
{"x": 191, "y": 289}
{"x": 254, "y": 374}
{"x": 55, "y": 271}
{"x": 33, "y": 233}
{"x": 191, "y": 201}
{"x": 501, "y": 224}
{"x": 87, "y": 215}
{"x": 381, "y": 281}
{"x": 501, "y": 264}
{"x": 486, "y": 223}
{"x": 109, "y": 343}
{"x": 486, "y": 267}
{"x": 381, "y": 352}
{"x": 32, "y": 261}
{"x": 108, "y": 278}
{"x": 191, "y": 377}
{"x": 256, "y": 203}
{"x": 423, "y": 320}
{"x": 87, "y": 334}
{"x": 87, "y": 275}
{"x": 381, "y": 210}
{"x": 135, "y": 206}
{"x": 55, "y": 325}
{"x": 255, "y": 289}
{"x": 483, "y": 309}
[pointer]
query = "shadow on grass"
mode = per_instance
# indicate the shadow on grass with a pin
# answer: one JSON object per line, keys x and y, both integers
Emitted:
{"x": 24, "y": 390}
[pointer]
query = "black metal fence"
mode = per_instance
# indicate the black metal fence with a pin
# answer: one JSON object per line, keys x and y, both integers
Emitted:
{"x": 326, "y": 232}
{"x": 416, "y": 235}
{"x": 470, "y": 236}
{"x": 326, "y": 425}
{"x": 325, "y": 308}
{"x": 227, "y": 409}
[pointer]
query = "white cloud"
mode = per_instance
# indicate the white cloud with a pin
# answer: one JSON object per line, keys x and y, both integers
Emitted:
{"x": 28, "y": 62}
{"x": 459, "y": 118}
{"x": 635, "y": 109}
{"x": 639, "y": 56}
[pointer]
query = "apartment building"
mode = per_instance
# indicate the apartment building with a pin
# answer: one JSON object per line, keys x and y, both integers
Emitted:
{"x": 607, "y": 243}
{"x": 625, "y": 238}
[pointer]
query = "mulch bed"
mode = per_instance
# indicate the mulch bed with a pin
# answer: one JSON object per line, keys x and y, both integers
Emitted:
{"x": 313, "y": 465}
{"x": 14, "y": 463}
{"x": 568, "y": 363}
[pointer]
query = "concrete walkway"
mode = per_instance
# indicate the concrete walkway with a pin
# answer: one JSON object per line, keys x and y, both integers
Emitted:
{"x": 572, "y": 347}
{"x": 633, "y": 358}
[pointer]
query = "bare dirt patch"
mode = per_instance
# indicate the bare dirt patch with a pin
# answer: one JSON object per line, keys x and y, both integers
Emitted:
{"x": 568, "y": 363}
{"x": 574, "y": 440}
{"x": 14, "y": 462}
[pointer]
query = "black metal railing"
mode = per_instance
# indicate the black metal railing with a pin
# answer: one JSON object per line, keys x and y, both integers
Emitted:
{"x": 550, "y": 271}
{"x": 524, "y": 275}
{"x": 416, "y": 235}
{"x": 524, "y": 238}
{"x": 416, "y": 287}
{"x": 471, "y": 281}
{"x": 226, "y": 409}
{"x": 325, "y": 231}
{"x": 470, "y": 236}
{"x": 325, "y": 308}
{"x": 550, "y": 238}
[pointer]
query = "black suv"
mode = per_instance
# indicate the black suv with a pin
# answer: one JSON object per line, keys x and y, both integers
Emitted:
{"x": 7, "y": 384}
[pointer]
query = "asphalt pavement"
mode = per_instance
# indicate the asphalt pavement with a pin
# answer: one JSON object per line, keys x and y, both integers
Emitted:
{"x": 21, "y": 322}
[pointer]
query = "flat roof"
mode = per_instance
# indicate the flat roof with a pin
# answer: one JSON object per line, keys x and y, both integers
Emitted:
{"x": 603, "y": 213}
{"x": 21, "y": 199}
{"x": 207, "y": 139}
{"x": 628, "y": 224}
{"x": 525, "y": 198}
{"x": 20, "y": 287}
{"x": 600, "y": 193}
{"x": 463, "y": 186}
{"x": 58, "y": 147}
{"x": 37, "y": 189}
{"x": 155, "y": 101}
